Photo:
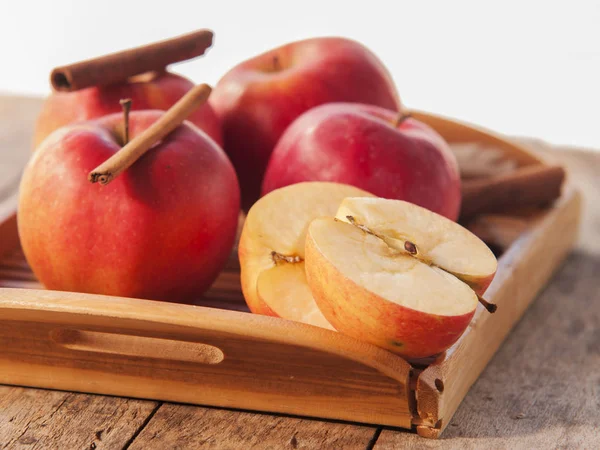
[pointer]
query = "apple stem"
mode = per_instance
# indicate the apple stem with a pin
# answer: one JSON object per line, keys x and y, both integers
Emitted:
{"x": 491, "y": 307}
{"x": 276, "y": 63}
{"x": 278, "y": 257}
{"x": 126, "y": 105}
{"x": 402, "y": 116}
{"x": 143, "y": 142}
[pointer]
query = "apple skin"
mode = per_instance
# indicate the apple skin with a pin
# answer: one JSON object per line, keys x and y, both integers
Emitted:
{"x": 246, "y": 248}
{"x": 361, "y": 146}
{"x": 162, "y": 230}
{"x": 361, "y": 314}
{"x": 149, "y": 92}
{"x": 254, "y": 301}
{"x": 479, "y": 285}
{"x": 257, "y": 101}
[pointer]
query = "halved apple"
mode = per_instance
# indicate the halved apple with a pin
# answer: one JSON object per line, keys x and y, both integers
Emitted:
{"x": 396, "y": 275}
{"x": 271, "y": 248}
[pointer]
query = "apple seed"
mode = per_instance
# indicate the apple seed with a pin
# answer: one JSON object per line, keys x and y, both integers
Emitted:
{"x": 410, "y": 247}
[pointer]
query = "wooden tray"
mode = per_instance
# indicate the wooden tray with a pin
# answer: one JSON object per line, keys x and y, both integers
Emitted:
{"x": 217, "y": 354}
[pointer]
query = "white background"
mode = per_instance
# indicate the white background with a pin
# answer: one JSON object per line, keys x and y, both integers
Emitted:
{"x": 519, "y": 67}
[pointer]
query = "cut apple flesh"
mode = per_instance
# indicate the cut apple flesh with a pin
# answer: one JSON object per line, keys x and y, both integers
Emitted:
{"x": 284, "y": 287}
{"x": 396, "y": 276}
{"x": 271, "y": 248}
{"x": 384, "y": 271}
{"x": 432, "y": 239}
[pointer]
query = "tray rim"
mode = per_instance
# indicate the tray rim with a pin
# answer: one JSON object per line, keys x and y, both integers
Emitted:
{"x": 434, "y": 409}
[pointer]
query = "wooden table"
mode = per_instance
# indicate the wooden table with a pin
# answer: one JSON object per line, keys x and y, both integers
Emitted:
{"x": 541, "y": 390}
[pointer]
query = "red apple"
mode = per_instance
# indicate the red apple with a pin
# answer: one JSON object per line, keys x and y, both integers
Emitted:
{"x": 260, "y": 97}
{"x": 161, "y": 230}
{"x": 147, "y": 91}
{"x": 371, "y": 148}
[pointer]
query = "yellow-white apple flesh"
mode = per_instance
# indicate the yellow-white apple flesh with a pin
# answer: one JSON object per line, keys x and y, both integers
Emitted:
{"x": 438, "y": 241}
{"x": 381, "y": 272}
{"x": 271, "y": 249}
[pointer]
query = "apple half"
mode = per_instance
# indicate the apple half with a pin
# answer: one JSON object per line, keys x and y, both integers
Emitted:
{"x": 271, "y": 249}
{"x": 396, "y": 274}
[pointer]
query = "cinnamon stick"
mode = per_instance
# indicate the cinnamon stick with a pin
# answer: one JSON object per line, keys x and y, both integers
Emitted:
{"x": 119, "y": 66}
{"x": 141, "y": 143}
{"x": 534, "y": 185}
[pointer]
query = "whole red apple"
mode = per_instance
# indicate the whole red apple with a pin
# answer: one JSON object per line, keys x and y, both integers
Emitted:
{"x": 161, "y": 230}
{"x": 371, "y": 148}
{"x": 260, "y": 97}
{"x": 148, "y": 91}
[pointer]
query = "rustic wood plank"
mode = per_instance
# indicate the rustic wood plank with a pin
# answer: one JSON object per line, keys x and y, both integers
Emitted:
{"x": 40, "y": 419}
{"x": 182, "y": 427}
{"x": 542, "y": 389}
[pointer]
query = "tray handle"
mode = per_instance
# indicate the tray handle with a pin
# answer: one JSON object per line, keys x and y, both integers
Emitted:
{"x": 192, "y": 354}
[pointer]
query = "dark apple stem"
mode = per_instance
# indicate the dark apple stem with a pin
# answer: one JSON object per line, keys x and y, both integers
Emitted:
{"x": 402, "y": 116}
{"x": 491, "y": 307}
{"x": 276, "y": 64}
{"x": 126, "y": 105}
{"x": 278, "y": 257}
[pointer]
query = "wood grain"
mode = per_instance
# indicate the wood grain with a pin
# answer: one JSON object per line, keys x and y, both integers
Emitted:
{"x": 542, "y": 390}
{"x": 40, "y": 419}
{"x": 183, "y": 427}
{"x": 183, "y": 353}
